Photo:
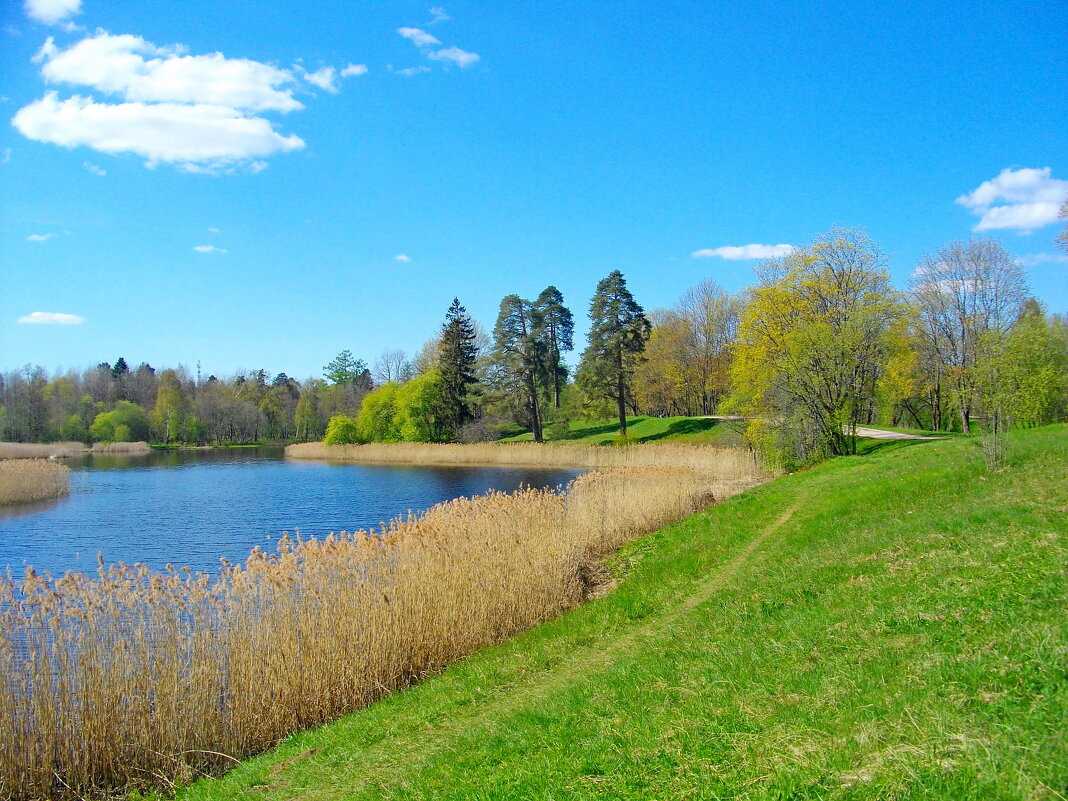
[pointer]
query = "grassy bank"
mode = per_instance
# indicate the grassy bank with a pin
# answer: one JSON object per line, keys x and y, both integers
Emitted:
{"x": 883, "y": 626}
{"x": 688, "y": 430}
{"x": 29, "y": 480}
{"x": 136, "y": 678}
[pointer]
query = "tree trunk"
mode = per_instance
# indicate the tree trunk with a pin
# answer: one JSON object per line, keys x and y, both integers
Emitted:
{"x": 621, "y": 400}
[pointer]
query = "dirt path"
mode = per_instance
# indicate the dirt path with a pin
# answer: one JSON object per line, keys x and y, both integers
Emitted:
{"x": 410, "y": 747}
{"x": 878, "y": 433}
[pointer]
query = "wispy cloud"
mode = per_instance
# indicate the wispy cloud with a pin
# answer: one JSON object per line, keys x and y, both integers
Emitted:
{"x": 51, "y": 12}
{"x": 418, "y": 37}
{"x": 52, "y": 318}
{"x": 437, "y": 14}
{"x": 40, "y": 237}
{"x": 325, "y": 78}
{"x": 403, "y": 258}
{"x": 740, "y": 252}
{"x": 5, "y": 157}
{"x": 209, "y": 249}
{"x": 95, "y": 170}
{"x": 454, "y": 54}
{"x": 408, "y": 72}
{"x": 1018, "y": 200}
{"x": 354, "y": 69}
{"x": 214, "y": 230}
{"x": 1034, "y": 259}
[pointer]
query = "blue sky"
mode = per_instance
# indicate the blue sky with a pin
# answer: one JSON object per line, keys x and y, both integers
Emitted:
{"x": 497, "y": 148}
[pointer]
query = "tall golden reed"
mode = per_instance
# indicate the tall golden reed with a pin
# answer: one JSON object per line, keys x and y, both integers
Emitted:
{"x": 28, "y": 480}
{"x": 532, "y": 454}
{"x": 41, "y": 450}
{"x": 139, "y": 678}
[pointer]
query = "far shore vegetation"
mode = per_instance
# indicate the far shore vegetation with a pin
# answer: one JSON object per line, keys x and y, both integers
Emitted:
{"x": 821, "y": 344}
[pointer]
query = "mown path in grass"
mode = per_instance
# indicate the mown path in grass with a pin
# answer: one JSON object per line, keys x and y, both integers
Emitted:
{"x": 885, "y": 626}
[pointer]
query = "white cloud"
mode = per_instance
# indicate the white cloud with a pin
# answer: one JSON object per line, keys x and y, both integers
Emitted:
{"x": 735, "y": 253}
{"x": 140, "y": 71}
{"x": 325, "y": 78}
{"x": 40, "y": 237}
{"x": 403, "y": 258}
{"x": 209, "y": 249}
{"x": 214, "y": 230}
{"x": 1020, "y": 200}
{"x": 418, "y": 37}
{"x": 354, "y": 69}
{"x": 1034, "y": 259}
{"x": 408, "y": 72}
{"x": 201, "y": 135}
{"x": 52, "y": 11}
{"x": 94, "y": 169}
{"x": 454, "y": 54}
{"x": 52, "y": 318}
{"x": 437, "y": 14}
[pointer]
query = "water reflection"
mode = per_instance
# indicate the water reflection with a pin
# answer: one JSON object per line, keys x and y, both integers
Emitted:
{"x": 193, "y": 507}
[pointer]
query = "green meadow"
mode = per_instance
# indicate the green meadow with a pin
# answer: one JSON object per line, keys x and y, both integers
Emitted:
{"x": 690, "y": 430}
{"x": 884, "y": 626}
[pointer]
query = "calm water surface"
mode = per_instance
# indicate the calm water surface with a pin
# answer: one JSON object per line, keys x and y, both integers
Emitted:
{"x": 192, "y": 507}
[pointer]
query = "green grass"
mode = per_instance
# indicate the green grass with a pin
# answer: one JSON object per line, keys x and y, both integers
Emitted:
{"x": 693, "y": 430}
{"x": 887, "y": 626}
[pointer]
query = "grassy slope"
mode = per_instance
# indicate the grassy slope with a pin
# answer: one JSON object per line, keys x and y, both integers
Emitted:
{"x": 884, "y": 626}
{"x": 692, "y": 430}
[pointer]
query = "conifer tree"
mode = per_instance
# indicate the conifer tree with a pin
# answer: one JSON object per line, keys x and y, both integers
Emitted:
{"x": 456, "y": 361}
{"x": 556, "y": 329}
{"x": 618, "y": 332}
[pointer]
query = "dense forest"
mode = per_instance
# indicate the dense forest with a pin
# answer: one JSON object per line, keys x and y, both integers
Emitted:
{"x": 820, "y": 344}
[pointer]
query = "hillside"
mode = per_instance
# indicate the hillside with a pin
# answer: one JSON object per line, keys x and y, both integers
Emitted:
{"x": 691, "y": 430}
{"x": 882, "y": 626}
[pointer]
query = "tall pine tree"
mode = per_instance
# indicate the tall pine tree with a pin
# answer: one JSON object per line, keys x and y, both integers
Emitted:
{"x": 456, "y": 361}
{"x": 519, "y": 353}
{"x": 619, "y": 330}
{"x": 556, "y": 329}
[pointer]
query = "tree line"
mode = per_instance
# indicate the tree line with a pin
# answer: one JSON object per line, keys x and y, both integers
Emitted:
{"x": 821, "y": 344}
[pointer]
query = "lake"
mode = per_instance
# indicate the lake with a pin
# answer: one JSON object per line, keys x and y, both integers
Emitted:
{"x": 192, "y": 507}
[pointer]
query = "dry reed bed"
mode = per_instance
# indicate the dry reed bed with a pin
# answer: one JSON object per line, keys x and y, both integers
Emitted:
{"x": 29, "y": 480}
{"x": 121, "y": 447}
{"x": 534, "y": 455}
{"x": 135, "y": 678}
{"x": 47, "y": 450}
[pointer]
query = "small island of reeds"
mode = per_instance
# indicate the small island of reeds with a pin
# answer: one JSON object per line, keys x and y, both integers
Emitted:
{"x": 30, "y": 480}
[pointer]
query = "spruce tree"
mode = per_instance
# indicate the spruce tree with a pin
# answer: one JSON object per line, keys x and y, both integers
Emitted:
{"x": 619, "y": 330}
{"x": 456, "y": 361}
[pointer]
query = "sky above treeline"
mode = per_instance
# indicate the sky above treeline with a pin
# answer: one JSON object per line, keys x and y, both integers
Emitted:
{"x": 261, "y": 185}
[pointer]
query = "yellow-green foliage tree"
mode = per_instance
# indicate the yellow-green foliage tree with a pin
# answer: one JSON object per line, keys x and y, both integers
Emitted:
{"x": 420, "y": 415}
{"x": 127, "y": 422}
{"x": 665, "y": 380}
{"x": 342, "y": 430}
{"x": 377, "y": 418}
{"x": 170, "y": 409}
{"x": 812, "y": 344}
